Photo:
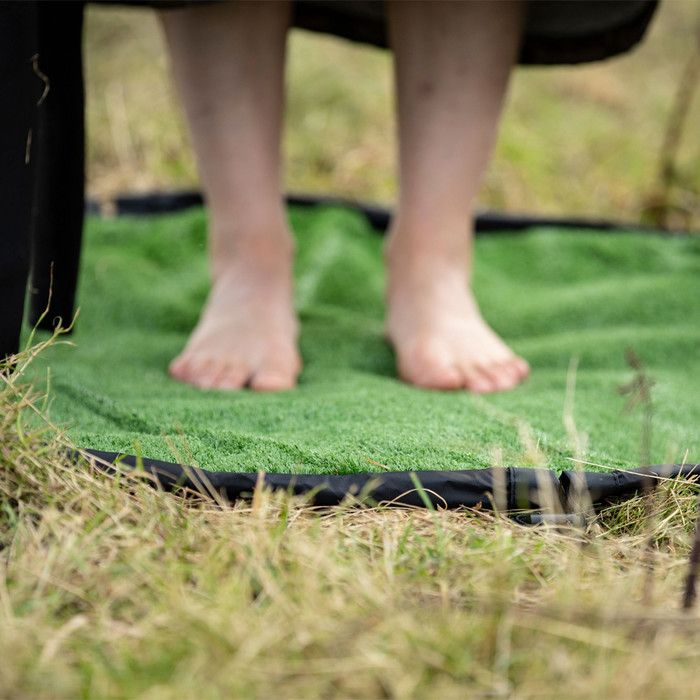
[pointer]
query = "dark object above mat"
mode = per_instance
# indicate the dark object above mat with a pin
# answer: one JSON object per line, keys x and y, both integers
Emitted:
{"x": 510, "y": 489}
{"x": 577, "y": 31}
{"x": 378, "y": 216}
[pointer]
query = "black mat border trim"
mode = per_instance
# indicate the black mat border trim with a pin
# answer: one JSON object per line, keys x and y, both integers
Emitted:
{"x": 379, "y": 217}
{"x": 508, "y": 488}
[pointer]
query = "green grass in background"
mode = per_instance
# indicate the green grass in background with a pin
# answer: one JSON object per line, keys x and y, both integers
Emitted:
{"x": 579, "y": 140}
{"x": 553, "y": 295}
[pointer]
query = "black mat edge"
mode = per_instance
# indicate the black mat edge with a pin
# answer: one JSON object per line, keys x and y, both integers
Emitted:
{"x": 379, "y": 217}
{"x": 508, "y": 488}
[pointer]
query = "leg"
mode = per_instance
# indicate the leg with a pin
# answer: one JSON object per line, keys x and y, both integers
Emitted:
{"x": 452, "y": 62}
{"x": 228, "y": 61}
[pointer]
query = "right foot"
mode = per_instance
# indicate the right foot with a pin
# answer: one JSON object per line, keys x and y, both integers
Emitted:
{"x": 435, "y": 326}
{"x": 246, "y": 335}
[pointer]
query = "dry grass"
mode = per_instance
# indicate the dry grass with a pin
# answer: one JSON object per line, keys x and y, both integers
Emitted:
{"x": 111, "y": 588}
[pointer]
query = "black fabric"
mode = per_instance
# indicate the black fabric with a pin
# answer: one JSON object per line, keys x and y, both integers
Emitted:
{"x": 607, "y": 487}
{"x": 556, "y": 32}
{"x": 42, "y": 173}
{"x": 60, "y": 186}
{"x": 378, "y": 216}
{"x": 13, "y": 286}
{"x": 581, "y": 31}
{"x": 156, "y": 202}
{"x": 509, "y": 489}
{"x": 20, "y": 89}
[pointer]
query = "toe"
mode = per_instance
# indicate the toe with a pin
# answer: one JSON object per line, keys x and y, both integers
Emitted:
{"x": 512, "y": 373}
{"x": 478, "y": 382}
{"x": 176, "y": 369}
{"x": 195, "y": 371}
{"x": 206, "y": 376}
{"x": 233, "y": 377}
{"x": 277, "y": 371}
{"x": 522, "y": 368}
{"x": 439, "y": 378}
{"x": 503, "y": 376}
{"x": 272, "y": 381}
{"x": 429, "y": 366}
{"x": 186, "y": 370}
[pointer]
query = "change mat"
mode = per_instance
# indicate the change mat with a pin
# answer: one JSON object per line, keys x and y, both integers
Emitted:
{"x": 570, "y": 302}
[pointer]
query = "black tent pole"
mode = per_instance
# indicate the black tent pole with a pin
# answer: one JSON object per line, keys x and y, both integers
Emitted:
{"x": 60, "y": 187}
{"x": 20, "y": 90}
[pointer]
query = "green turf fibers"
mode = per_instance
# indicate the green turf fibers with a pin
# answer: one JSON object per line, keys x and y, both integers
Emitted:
{"x": 553, "y": 295}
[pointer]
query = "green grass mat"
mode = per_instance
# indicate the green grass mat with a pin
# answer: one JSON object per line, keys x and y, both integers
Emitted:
{"x": 553, "y": 295}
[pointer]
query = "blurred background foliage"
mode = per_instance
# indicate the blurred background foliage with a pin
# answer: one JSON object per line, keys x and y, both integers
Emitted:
{"x": 577, "y": 140}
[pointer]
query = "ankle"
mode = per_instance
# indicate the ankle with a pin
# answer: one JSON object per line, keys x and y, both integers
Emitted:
{"x": 434, "y": 250}
{"x": 266, "y": 254}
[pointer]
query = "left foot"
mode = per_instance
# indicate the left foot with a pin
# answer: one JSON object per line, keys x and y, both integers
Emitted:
{"x": 247, "y": 333}
{"x": 437, "y": 331}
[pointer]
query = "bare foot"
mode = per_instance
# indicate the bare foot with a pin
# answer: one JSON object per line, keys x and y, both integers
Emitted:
{"x": 436, "y": 328}
{"x": 246, "y": 335}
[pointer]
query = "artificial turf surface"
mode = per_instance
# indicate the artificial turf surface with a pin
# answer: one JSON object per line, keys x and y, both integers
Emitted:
{"x": 552, "y": 294}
